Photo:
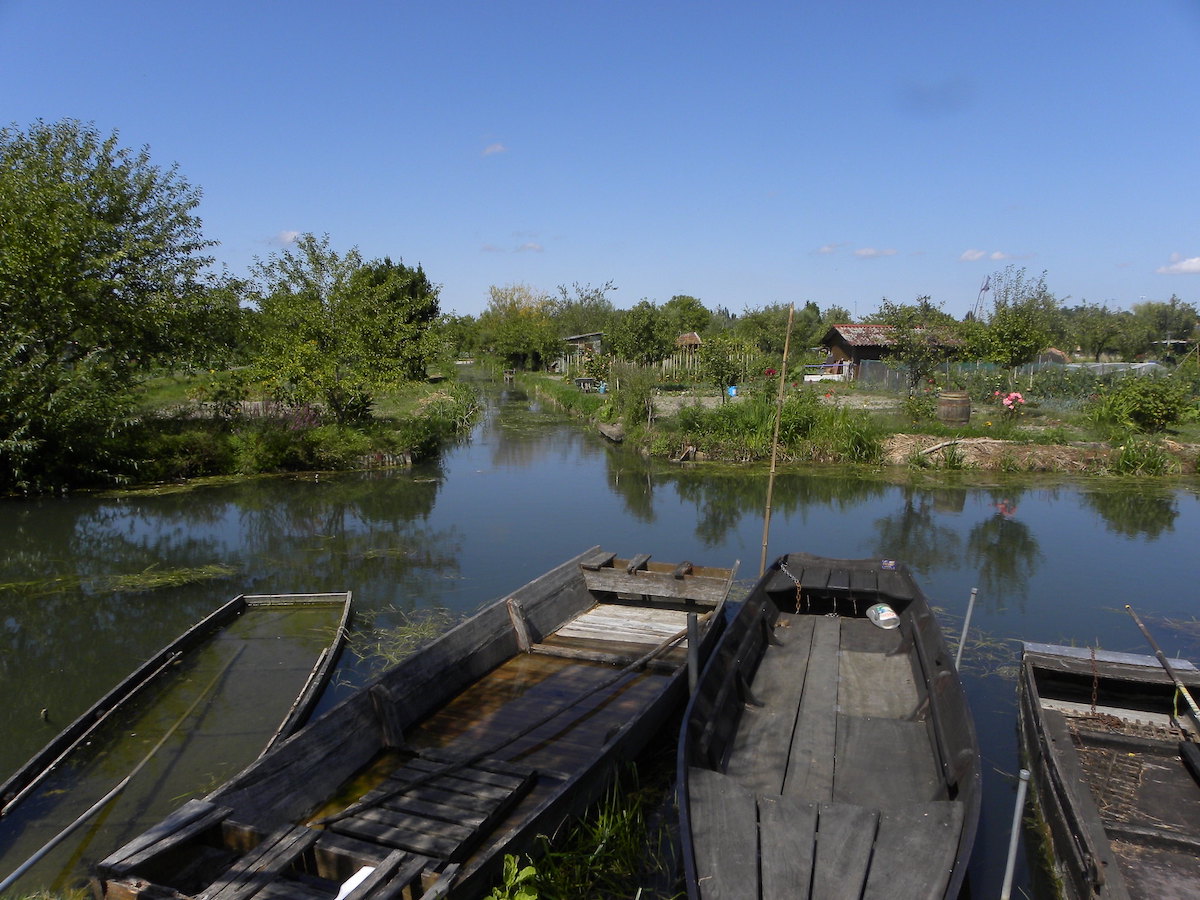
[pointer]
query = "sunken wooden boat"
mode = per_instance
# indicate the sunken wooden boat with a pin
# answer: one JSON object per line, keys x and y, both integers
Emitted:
{"x": 828, "y": 750}
{"x": 1108, "y": 748}
{"x": 233, "y": 685}
{"x": 422, "y": 780}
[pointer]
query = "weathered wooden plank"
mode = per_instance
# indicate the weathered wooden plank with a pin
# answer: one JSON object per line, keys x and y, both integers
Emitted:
{"x": 668, "y": 662}
{"x": 924, "y": 832}
{"x": 473, "y": 779}
{"x": 724, "y": 836}
{"x": 869, "y": 747}
{"x": 179, "y": 827}
{"x": 845, "y": 835}
{"x": 701, "y": 588}
{"x": 597, "y": 558}
{"x": 399, "y": 871}
{"x": 787, "y": 832}
{"x": 759, "y": 757}
{"x": 260, "y": 866}
{"x": 638, "y": 562}
{"x": 412, "y": 833}
{"x": 810, "y": 763}
{"x": 876, "y": 684}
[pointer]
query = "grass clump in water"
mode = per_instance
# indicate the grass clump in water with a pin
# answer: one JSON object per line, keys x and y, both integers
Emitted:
{"x": 389, "y": 635}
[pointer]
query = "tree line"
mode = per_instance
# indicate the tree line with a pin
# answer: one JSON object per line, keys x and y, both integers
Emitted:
{"x": 106, "y": 279}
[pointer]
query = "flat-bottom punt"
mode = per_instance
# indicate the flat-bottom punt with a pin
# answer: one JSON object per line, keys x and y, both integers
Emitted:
{"x": 1102, "y": 734}
{"x": 202, "y": 708}
{"x": 823, "y": 755}
{"x": 424, "y": 779}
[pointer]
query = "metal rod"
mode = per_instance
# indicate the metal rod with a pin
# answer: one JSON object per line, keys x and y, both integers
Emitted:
{"x": 121, "y": 785}
{"x": 962, "y": 638}
{"x": 1162, "y": 659}
{"x": 693, "y": 651}
{"x": 1009, "y": 866}
{"x": 787, "y": 342}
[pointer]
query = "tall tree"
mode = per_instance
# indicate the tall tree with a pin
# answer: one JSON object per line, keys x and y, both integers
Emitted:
{"x": 582, "y": 310}
{"x": 643, "y": 334}
{"x": 922, "y": 337}
{"x": 336, "y": 329}
{"x": 1025, "y": 318}
{"x": 1094, "y": 328}
{"x": 518, "y": 327}
{"x": 685, "y": 314}
{"x": 101, "y": 261}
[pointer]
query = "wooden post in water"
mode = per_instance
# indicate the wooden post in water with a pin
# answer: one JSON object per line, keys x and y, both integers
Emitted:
{"x": 787, "y": 341}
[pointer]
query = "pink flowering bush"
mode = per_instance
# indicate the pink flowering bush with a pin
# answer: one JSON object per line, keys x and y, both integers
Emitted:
{"x": 1012, "y": 402}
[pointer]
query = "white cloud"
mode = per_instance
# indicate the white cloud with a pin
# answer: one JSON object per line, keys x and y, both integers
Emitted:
{"x": 530, "y": 247}
{"x": 826, "y": 249}
{"x": 872, "y": 253}
{"x": 285, "y": 237}
{"x": 491, "y": 248}
{"x": 1180, "y": 266}
{"x": 972, "y": 255}
{"x": 493, "y": 149}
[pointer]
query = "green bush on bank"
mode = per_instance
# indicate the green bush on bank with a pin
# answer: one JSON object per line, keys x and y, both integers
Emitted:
{"x": 809, "y": 430}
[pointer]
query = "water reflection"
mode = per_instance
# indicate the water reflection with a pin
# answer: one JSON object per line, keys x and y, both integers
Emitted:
{"x": 1004, "y": 550}
{"x": 1143, "y": 511}
{"x": 916, "y": 535}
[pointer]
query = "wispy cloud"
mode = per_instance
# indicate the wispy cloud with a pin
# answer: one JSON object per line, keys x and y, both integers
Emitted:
{"x": 283, "y": 238}
{"x": 491, "y": 248}
{"x": 826, "y": 249}
{"x": 493, "y": 149}
{"x": 530, "y": 247}
{"x": 994, "y": 256}
{"x": 873, "y": 253}
{"x": 1180, "y": 266}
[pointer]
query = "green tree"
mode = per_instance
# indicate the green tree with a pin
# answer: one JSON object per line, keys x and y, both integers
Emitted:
{"x": 764, "y": 327}
{"x": 722, "y": 361}
{"x": 1025, "y": 318}
{"x": 643, "y": 334}
{"x": 922, "y": 337}
{"x": 685, "y": 314}
{"x": 1094, "y": 328}
{"x": 101, "y": 261}
{"x": 336, "y": 329}
{"x": 1156, "y": 326}
{"x": 582, "y": 310}
{"x": 518, "y": 327}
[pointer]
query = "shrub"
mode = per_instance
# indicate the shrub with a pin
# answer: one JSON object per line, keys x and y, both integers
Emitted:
{"x": 1143, "y": 404}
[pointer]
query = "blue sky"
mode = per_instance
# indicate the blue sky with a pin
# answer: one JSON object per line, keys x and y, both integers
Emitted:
{"x": 745, "y": 153}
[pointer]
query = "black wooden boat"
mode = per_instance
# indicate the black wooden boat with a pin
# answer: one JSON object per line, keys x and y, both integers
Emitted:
{"x": 824, "y": 754}
{"x": 203, "y": 707}
{"x": 463, "y": 752}
{"x": 1104, "y": 737}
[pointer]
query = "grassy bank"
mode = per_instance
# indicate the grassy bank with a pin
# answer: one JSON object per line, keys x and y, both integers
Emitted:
{"x": 1135, "y": 427}
{"x": 206, "y": 425}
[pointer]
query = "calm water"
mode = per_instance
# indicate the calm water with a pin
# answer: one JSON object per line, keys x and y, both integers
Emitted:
{"x": 1052, "y": 561}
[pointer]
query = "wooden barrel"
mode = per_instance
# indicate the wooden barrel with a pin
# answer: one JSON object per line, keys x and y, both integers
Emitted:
{"x": 954, "y": 407}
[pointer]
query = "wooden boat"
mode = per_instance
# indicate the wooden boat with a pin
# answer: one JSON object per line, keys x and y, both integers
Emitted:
{"x": 824, "y": 754}
{"x": 234, "y": 684}
{"x": 425, "y": 778}
{"x": 1102, "y": 734}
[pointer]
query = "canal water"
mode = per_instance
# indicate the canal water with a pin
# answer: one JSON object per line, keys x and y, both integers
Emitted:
{"x": 1053, "y": 561}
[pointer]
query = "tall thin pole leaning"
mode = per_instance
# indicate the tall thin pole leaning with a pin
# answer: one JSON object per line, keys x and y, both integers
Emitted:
{"x": 787, "y": 342}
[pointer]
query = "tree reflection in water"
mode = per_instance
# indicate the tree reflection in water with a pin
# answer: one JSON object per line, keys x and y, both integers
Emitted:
{"x": 913, "y": 535}
{"x": 1004, "y": 550}
{"x": 1141, "y": 511}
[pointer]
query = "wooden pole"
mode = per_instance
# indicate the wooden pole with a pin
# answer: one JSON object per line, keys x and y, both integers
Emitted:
{"x": 1162, "y": 660}
{"x": 787, "y": 340}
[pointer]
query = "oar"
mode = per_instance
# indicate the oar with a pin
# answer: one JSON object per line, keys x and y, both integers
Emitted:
{"x": 1188, "y": 751}
{"x": 121, "y": 785}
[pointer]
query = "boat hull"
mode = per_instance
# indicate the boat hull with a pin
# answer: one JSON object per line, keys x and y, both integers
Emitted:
{"x": 466, "y": 751}
{"x": 809, "y": 720}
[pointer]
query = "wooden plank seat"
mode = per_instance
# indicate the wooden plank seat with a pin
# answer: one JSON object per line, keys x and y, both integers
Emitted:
{"x": 262, "y": 865}
{"x": 424, "y": 807}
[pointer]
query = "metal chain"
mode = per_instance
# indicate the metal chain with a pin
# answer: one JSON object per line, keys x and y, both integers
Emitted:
{"x": 796, "y": 581}
{"x": 1095, "y": 680}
